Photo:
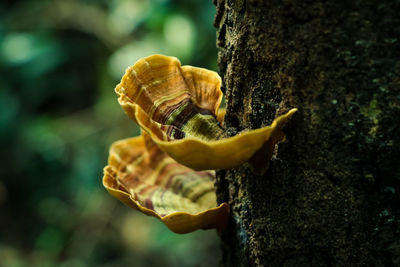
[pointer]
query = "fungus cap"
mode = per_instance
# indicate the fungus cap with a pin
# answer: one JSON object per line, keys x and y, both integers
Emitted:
{"x": 178, "y": 106}
{"x": 145, "y": 178}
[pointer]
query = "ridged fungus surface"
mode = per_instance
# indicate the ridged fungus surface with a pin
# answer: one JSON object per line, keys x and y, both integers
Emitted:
{"x": 169, "y": 171}
{"x": 145, "y": 178}
{"x": 178, "y": 106}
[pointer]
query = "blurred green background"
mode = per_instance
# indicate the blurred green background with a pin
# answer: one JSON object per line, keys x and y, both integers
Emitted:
{"x": 59, "y": 63}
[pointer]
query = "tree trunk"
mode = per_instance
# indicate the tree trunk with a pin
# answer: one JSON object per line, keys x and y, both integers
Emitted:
{"x": 331, "y": 194}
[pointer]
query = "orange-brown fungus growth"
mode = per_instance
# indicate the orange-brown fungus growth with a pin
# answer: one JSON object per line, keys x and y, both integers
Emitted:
{"x": 178, "y": 106}
{"x": 147, "y": 179}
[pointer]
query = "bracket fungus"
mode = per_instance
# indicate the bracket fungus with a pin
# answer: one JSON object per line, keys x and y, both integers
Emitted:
{"x": 169, "y": 171}
{"x": 178, "y": 106}
{"x": 145, "y": 178}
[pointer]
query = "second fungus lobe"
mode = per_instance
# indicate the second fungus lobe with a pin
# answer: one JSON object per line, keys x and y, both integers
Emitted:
{"x": 145, "y": 178}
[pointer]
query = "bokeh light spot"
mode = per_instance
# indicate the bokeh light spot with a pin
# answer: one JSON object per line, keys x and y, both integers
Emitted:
{"x": 179, "y": 34}
{"x": 17, "y": 48}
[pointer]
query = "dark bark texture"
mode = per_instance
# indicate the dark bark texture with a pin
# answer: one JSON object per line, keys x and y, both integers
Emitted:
{"x": 331, "y": 194}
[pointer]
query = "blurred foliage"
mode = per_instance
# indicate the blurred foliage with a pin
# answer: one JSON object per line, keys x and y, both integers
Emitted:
{"x": 59, "y": 63}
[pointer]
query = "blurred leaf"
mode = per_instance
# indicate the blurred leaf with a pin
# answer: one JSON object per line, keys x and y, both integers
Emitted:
{"x": 34, "y": 52}
{"x": 51, "y": 239}
{"x": 9, "y": 107}
{"x": 59, "y": 63}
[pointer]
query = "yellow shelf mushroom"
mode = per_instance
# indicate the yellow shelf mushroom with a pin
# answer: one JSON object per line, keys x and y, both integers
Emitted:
{"x": 169, "y": 171}
{"x": 145, "y": 178}
{"x": 178, "y": 106}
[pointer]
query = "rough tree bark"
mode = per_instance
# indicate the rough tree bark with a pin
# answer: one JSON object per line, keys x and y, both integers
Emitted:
{"x": 331, "y": 194}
